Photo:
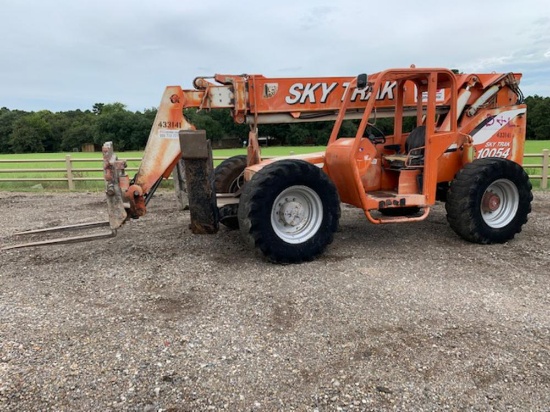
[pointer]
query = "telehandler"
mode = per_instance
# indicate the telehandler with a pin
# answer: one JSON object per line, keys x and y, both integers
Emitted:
{"x": 466, "y": 150}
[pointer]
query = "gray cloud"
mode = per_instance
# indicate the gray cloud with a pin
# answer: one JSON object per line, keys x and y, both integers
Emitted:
{"x": 63, "y": 55}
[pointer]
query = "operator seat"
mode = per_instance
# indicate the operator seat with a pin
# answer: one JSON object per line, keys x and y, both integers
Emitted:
{"x": 416, "y": 139}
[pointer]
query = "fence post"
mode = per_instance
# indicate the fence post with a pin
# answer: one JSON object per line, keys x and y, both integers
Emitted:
{"x": 69, "y": 166}
{"x": 544, "y": 179}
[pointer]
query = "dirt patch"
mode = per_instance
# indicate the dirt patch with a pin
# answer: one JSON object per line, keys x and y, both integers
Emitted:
{"x": 406, "y": 317}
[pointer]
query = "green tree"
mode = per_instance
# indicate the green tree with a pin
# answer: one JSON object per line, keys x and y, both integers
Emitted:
{"x": 25, "y": 132}
{"x": 108, "y": 108}
{"x": 297, "y": 135}
{"x": 538, "y": 117}
{"x": 207, "y": 121}
{"x": 7, "y": 120}
{"x": 230, "y": 127}
{"x": 127, "y": 130}
{"x": 76, "y": 136}
{"x": 97, "y": 108}
{"x": 58, "y": 123}
{"x": 141, "y": 129}
{"x": 30, "y": 133}
{"x": 115, "y": 126}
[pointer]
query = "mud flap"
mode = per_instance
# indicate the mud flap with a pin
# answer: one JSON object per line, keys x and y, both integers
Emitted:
{"x": 199, "y": 175}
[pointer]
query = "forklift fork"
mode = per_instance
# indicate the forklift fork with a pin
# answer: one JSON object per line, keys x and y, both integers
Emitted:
{"x": 115, "y": 176}
{"x": 64, "y": 240}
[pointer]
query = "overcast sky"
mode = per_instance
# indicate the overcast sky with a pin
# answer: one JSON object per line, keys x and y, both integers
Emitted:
{"x": 69, "y": 54}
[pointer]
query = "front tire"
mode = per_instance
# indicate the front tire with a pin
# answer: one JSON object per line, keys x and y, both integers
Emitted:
{"x": 489, "y": 201}
{"x": 289, "y": 210}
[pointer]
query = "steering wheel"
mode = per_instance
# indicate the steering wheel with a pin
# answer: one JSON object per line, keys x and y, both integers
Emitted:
{"x": 381, "y": 139}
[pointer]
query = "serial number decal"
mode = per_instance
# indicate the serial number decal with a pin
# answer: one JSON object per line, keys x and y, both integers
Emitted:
{"x": 169, "y": 134}
{"x": 493, "y": 152}
{"x": 495, "y": 149}
{"x": 169, "y": 125}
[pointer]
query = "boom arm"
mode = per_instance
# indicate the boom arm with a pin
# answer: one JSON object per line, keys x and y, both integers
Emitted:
{"x": 253, "y": 99}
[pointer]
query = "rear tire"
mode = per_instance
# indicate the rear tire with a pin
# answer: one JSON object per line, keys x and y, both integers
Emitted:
{"x": 289, "y": 210}
{"x": 228, "y": 178}
{"x": 228, "y": 174}
{"x": 489, "y": 201}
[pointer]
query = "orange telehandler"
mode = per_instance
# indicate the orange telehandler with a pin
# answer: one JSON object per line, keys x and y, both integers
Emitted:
{"x": 466, "y": 150}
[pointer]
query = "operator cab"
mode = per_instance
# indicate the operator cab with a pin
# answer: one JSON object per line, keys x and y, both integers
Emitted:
{"x": 401, "y": 170}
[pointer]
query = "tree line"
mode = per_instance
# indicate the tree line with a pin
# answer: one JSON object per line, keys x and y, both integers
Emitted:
{"x": 45, "y": 131}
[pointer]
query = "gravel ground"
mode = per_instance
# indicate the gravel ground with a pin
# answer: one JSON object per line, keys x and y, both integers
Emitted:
{"x": 394, "y": 317}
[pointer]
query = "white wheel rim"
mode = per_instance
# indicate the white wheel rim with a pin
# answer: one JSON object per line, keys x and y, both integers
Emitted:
{"x": 297, "y": 214}
{"x": 236, "y": 183}
{"x": 500, "y": 203}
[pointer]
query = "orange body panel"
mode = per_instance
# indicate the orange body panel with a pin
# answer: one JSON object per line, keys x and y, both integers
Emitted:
{"x": 163, "y": 148}
{"x": 498, "y": 132}
{"x": 345, "y": 163}
{"x": 408, "y": 182}
{"x": 283, "y": 95}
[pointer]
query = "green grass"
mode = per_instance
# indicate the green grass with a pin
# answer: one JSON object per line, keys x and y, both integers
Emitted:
{"x": 57, "y": 162}
{"x": 272, "y": 151}
{"x": 531, "y": 146}
{"x": 536, "y": 146}
{"x": 50, "y": 161}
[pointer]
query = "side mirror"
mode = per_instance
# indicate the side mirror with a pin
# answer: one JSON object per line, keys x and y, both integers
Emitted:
{"x": 362, "y": 81}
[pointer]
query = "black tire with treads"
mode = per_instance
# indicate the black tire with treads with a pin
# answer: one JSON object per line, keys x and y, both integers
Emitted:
{"x": 289, "y": 210}
{"x": 228, "y": 178}
{"x": 489, "y": 201}
{"x": 227, "y": 174}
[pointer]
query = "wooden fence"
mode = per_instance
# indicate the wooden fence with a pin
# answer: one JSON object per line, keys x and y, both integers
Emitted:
{"x": 541, "y": 168}
{"x": 72, "y": 174}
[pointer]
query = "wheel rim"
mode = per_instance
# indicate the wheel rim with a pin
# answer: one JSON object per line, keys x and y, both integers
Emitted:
{"x": 499, "y": 203}
{"x": 297, "y": 214}
{"x": 236, "y": 183}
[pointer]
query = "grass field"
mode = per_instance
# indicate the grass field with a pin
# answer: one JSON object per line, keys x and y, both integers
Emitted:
{"x": 536, "y": 146}
{"x": 57, "y": 161}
